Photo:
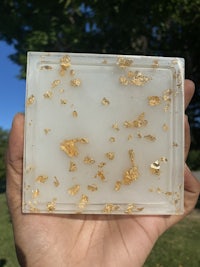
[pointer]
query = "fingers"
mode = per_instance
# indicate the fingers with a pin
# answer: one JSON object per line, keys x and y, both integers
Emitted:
{"x": 14, "y": 162}
{"x": 187, "y": 137}
{"x": 189, "y": 91}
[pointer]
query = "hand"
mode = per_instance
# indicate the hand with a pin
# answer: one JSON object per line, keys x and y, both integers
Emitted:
{"x": 85, "y": 240}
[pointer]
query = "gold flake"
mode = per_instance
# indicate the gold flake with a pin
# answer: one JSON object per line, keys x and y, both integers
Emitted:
{"x": 72, "y": 166}
{"x": 48, "y": 94}
{"x": 63, "y": 101}
{"x": 61, "y": 91}
{"x": 134, "y": 78}
{"x": 74, "y": 190}
{"x": 130, "y": 175}
{"x": 70, "y": 146}
{"x": 175, "y": 144}
{"x": 138, "y": 123}
{"x": 118, "y": 185}
{"x": 46, "y": 67}
{"x": 92, "y": 187}
{"x": 35, "y": 193}
{"x": 150, "y": 137}
{"x": 105, "y": 101}
{"x": 123, "y": 62}
{"x": 55, "y": 83}
{"x": 154, "y": 100}
{"x": 115, "y": 126}
{"x": 41, "y": 179}
{"x": 72, "y": 72}
{"x": 163, "y": 159}
{"x": 83, "y": 202}
{"x": 112, "y": 139}
{"x": 104, "y": 61}
{"x": 30, "y": 100}
{"x": 155, "y": 64}
{"x": 165, "y": 127}
{"x": 131, "y": 155}
{"x": 51, "y": 206}
{"x": 155, "y": 167}
{"x": 101, "y": 164}
{"x": 65, "y": 63}
{"x": 110, "y": 155}
{"x": 130, "y": 137}
{"x": 56, "y": 182}
{"x": 47, "y": 130}
{"x": 75, "y": 82}
{"x": 101, "y": 175}
{"x": 139, "y": 135}
{"x": 75, "y": 114}
{"x": 132, "y": 208}
{"x": 88, "y": 160}
{"x": 123, "y": 80}
{"x": 109, "y": 208}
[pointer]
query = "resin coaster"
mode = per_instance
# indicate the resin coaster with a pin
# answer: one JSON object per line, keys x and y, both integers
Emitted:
{"x": 103, "y": 134}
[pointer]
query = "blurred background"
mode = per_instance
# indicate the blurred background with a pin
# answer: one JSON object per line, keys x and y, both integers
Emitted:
{"x": 160, "y": 27}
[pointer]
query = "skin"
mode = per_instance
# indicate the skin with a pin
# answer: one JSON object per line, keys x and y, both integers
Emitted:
{"x": 86, "y": 240}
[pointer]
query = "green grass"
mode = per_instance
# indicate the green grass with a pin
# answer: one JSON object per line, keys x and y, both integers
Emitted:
{"x": 178, "y": 247}
{"x": 7, "y": 249}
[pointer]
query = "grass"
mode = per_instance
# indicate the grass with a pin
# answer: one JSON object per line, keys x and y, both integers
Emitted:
{"x": 7, "y": 249}
{"x": 178, "y": 247}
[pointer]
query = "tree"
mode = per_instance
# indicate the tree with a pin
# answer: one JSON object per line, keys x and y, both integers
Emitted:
{"x": 163, "y": 27}
{"x": 3, "y": 145}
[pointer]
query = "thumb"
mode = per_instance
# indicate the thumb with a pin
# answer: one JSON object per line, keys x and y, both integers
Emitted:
{"x": 14, "y": 162}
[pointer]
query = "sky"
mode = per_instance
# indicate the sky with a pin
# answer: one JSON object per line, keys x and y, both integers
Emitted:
{"x": 11, "y": 88}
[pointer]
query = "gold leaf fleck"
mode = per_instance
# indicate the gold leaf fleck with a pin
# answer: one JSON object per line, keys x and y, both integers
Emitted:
{"x": 150, "y": 137}
{"x": 155, "y": 167}
{"x": 55, "y": 83}
{"x": 83, "y": 202}
{"x": 110, "y": 155}
{"x": 109, "y": 208}
{"x": 47, "y": 130}
{"x": 74, "y": 190}
{"x": 105, "y": 101}
{"x": 124, "y": 62}
{"x": 88, "y": 160}
{"x": 115, "y": 126}
{"x": 51, "y": 206}
{"x": 35, "y": 193}
{"x": 154, "y": 100}
{"x": 130, "y": 175}
{"x": 46, "y": 67}
{"x": 72, "y": 166}
{"x": 75, "y": 114}
{"x": 75, "y": 82}
{"x": 48, "y": 94}
{"x": 63, "y": 101}
{"x": 56, "y": 182}
{"x": 41, "y": 179}
{"x": 30, "y": 100}
{"x": 101, "y": 175}
{"x": 112, "y": 139}
{"x": 70, "y": 146}
{"x": 118, "y": 185}
{"x": 92, "y": 187}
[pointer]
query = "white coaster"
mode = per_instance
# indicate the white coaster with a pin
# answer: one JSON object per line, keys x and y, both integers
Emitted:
{"x": 103, "y": 134}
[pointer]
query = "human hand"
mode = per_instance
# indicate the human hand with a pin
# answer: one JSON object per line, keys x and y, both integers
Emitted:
{"x": 85, "y": 240}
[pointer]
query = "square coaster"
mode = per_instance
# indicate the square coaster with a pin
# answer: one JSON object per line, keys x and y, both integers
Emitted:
{"x": 104, "y": 134}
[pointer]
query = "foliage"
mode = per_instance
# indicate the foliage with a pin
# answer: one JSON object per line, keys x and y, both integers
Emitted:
{"x": 3, "y": 145}
{"x": 194, "y": 160}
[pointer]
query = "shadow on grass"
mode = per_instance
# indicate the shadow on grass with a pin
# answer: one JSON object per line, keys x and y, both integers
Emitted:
{"x": 3, "y": 262}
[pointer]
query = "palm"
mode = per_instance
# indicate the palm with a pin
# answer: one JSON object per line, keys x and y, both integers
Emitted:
{"x": 85, "y": 239}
